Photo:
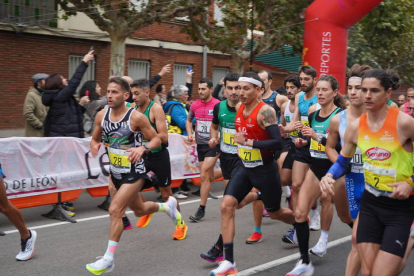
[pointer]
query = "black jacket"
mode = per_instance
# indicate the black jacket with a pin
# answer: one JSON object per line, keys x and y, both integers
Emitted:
{"x": 65, "y": 116}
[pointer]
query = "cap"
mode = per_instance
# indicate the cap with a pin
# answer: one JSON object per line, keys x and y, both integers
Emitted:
{"x": 38, "y": 77}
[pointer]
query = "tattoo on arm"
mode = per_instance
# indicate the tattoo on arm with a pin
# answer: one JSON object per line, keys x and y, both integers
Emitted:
{"x": 269, "y": 117}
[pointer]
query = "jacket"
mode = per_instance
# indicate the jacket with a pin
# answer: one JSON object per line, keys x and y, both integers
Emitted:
{"x": 65, "y": 116}
{"x": 178, "y": 114}
{"x": 35, "y": 113}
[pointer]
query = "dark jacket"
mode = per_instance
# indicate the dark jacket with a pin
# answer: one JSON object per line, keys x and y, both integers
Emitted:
{"x": 178, "y": 114}
{"x": 65, "y": 116}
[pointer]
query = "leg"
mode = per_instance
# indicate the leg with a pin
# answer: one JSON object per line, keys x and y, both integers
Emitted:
{"x": 353, "y": 263}
{"x": 368, "y": 253}
{"x": 206, "y": 173}
{"x": 410, "y": 247}
{"x": 228, "y": 208}
{"x": 298, "y": 175}
{"x": 341, "y": 201}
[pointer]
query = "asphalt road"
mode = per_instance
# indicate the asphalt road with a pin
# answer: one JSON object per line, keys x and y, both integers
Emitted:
{"x": 64, "y": 248}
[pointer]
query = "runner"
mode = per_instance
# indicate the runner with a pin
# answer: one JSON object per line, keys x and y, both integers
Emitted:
{"x": 353, "y": 186}
{"x": 410, "y": 95}
{"x": 122, "y": 129}
{"x": 202, "y": 111}
{"x": 331, "y": 102}
{"x": 385, "y": 137}
{"x": 158, "y": 160}
{"x": 27, "y": 237}
{"x": 222, "y": 131}
{"x": 258, "y": 138}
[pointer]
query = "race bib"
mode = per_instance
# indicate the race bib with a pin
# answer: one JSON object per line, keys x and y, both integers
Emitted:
{"x": 378, "y": 178}
{"x": 228, "y": 145}
{"x": 203, "y": 127}
{"x": 317, "y": 150}
{"x": 356, "y": 162}
{"x": 119, "y": 160}
{"x": 304, "y": 120}
{"x": 251, "y": 157}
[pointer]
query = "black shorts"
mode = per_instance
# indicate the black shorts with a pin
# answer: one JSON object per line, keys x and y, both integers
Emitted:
{"x": 128, "y": 178}
{"x": 303, "y": 155}
{"x": 384, "y": 224}
{"x": 159, "y": 163}
{"x": 320, "y": 167}
{"x": 264, "y": 178}
{"x": 229, "y": 163}
{"x": 290, "y": 157}
{"x": 287, "y": 144}
{"x": 204, "y": 151}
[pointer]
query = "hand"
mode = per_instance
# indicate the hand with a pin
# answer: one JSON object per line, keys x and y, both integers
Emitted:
{"x": 84, "y": 100}
{"x": 282, "y": 131}
{"x": 190, "y": 138}
{"x": 402, "y": 190}
{"x": 298, "y": 125}
{"x": 212, "y": 142}
{"x": 239, "y": 137}
{"x": 309, "y": 132}
{"x": 95, "y": 149}
{"x": 299, "y": 142}
{"x": 221, "y": 82}
{"x": 165, "y": 69}
{"x": 190, "y": 73}
{"x": 136, "y": 154}
{"x": 327, "y": 185}
{"x": 88, "y": 57}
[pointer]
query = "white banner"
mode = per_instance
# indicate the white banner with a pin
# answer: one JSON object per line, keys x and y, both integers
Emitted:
{"x": 36, "y": 166}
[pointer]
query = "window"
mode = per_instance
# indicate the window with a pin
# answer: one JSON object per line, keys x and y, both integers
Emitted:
{"x": 218, "y": 74}
{"x": 74, "y": 61}
{"x": 138, "y": 69}
{"x": 29, "y": 12}
{"x": 218, "y": 15}
{"x": 180, "y": 73}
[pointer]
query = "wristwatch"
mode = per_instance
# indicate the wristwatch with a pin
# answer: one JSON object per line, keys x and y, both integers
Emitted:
{"x": 147, "y": 149}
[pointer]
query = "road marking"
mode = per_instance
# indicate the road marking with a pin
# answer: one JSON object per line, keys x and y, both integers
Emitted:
{"x": 287, "y": 259}
{"x": 91, "y": 218}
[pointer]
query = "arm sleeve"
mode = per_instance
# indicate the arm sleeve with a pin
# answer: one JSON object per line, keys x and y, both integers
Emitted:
{"x": 153, "y": 81}
{"x": 215, "y": 114}
{"x": 216, "y": 91}
{"x": 190, "y": 89}
{"x": 28, "y": 112}
{"x": 274, "y": 143}
{"x": 340, "y": 167}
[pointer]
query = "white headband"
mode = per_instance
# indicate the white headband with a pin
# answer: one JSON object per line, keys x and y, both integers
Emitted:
{"x": 253, "y": 81}
{"x": 355, "y": 77}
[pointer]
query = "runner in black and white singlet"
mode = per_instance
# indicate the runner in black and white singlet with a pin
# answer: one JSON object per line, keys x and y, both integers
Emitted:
{"x": 121, "y": 129}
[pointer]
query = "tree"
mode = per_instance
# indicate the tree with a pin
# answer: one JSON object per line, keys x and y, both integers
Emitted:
{"x": 385, "y": 38}
{"x": 121, "y": 18}
{"x": 278, "y": 20}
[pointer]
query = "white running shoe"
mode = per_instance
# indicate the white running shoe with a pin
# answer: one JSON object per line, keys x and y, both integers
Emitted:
{"x": 102, "y": 265}
{"x": 173, "y": 212}
{"x": 225, "y": 268}
{"x": 302, "y": 269}
{"x": 180, "y": 195}
{"x": 319, "y": 249}
{"x": 27, "y": 247}
{"x": 315, "y": 220}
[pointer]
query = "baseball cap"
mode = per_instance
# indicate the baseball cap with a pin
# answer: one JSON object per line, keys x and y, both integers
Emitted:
{"x": 38, "y": 77}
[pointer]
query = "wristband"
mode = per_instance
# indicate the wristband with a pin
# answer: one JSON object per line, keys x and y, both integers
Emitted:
{"x": 245, "y": 142}
{"x": 410, "y": 181}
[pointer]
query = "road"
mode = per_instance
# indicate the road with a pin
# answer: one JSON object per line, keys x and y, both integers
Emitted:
{"x": 64, "y": 248}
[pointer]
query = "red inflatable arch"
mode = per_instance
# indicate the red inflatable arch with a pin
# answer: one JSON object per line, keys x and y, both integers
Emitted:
{"x": 326, "y": 34}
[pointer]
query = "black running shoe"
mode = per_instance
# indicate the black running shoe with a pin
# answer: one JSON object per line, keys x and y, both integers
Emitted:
{"x": 196, "y": 193}
{"x": 127, "y": 223}
{"x": 213, "y": 255}
{"x": 2, "y": 233}
{"x": 199, "y": 215}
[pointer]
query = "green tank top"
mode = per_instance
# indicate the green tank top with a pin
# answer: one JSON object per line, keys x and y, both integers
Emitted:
{"x": 227, "y": 128}
{"x": 147, "y": 114}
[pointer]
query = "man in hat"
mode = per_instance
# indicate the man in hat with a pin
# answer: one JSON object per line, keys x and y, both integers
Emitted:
{"x": 34, "y": 111}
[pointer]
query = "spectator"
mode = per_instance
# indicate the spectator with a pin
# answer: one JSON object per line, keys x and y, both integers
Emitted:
{"x": 161, "y": 97}
{"x": 65, "y": 116}
{"x": 217, "y": 89}
{"x": 401, "y": 100}
{"x": 175, "y": 106}
{"x": 34, "y": 111}
{"x": 410, "y": 95}
{"x": 96, "y": 103}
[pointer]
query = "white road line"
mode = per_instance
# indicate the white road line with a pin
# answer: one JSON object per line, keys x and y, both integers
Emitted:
{"x": 287, "y": 259}
{"x": 91, "y": 218}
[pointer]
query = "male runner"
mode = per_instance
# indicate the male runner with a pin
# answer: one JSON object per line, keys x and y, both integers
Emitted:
{"x": 202, "y": 111}
{"x": 28, "y": 237}
{"x": 123, "y": 129}
{"x": 222, "y": 131}
{"x": 258, "y": 137}
{"x": 158, "y": 160}
{"x": 385, "y": 137}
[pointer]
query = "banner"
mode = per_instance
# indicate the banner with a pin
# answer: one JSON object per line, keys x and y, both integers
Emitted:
{"x": 35, "y": 166}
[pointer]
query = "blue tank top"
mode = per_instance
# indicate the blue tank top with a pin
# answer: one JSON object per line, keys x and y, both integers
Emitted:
{"x": 305, "y": 104}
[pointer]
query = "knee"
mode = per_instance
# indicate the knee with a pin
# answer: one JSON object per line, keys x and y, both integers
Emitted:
{"x": 300, "y": 214}
{"x": 296, "y": 186}
{"x": 365, "y": 272}
{"x": 227, "y": 208}
{"x": 5, "y": 209}
{"x": 274, "y": 215}
{"x": 115, "y": 211}
{"x": 326, "y": 199}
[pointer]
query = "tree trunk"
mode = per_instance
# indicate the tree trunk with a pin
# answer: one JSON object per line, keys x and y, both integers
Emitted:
{"x": 237, "y": 64}
{"x": 117, "y": 65}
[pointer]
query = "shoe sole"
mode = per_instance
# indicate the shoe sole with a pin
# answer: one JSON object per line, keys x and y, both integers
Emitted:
{"x": 316, "y": 254}
{"x": 146, "y": 223}
{"x": 286, "y": 240}
{"x": 234, "y": 272}
{"x": 105, "y": 271}
{"x": 193, "y": 219}
{"x": 183, "y": 237}
{"x": 219, "y": 259}
{"x": 314, "y": 229}
{"x": 253, "y": 242}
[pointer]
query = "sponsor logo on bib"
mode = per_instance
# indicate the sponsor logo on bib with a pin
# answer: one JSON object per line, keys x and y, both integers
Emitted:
{"x": 376, "y": 153}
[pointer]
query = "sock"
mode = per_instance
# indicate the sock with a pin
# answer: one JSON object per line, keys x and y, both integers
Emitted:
{"x": 228, "y": 252}
{"x": 163, "y": 207}
{"x": 259, "y": 196}
{"x": 286, "y": 190}
{"x": 324, "y": 236}
{"x": 302, "y": 232}
{"x": 202, "y": 207}
{"x": 110, "y": 251}
{"x": 219, "y": 243}
{"x": 351, "y": 224}
{"x": 258, "y": 229}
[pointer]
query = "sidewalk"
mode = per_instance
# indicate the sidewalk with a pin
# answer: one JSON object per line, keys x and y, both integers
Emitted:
{"x": 12, "y": 133}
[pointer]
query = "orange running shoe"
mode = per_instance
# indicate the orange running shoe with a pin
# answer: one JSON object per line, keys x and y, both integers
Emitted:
{"x": 254, "y": 238}
{"x": 180, "y": 232}
{"x": 144, "y": 220}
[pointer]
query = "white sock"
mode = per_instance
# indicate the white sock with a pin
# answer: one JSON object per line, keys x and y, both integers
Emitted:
{"x": 324, "y": 236}
{"x": 286, "y": 191}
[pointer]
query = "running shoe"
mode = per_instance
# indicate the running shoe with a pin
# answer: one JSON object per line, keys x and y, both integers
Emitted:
{"x": 319, "y": 249}
{"x": 173, "y": 212}
{"x": 68, "y": 206}
{"x": 290, "y": 238}
{"x": 127, "y": 223}
{"x": 315, "y": 220}
{"x": 180, "y": 232}
{"x": 302, "y": 269}
{"x": 196, "y": 193}
{"x": 144, "y": 220}
{"x": 179, "y": 195}
{"x": 265, "y": 214}
{"x": 225, "y": 268}
{"x": 213, "y": 255}
{"x": 199, "y": 215}
{"x": 2, "y": 233}
{"x": 102, "y": 265}
{"x": 256, "y": 237}
{"x": 27, "y": 247}
{"x": 70, "y": 213}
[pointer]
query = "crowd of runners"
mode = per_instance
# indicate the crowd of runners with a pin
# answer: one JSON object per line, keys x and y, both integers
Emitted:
{"x": 314, "y": 145}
